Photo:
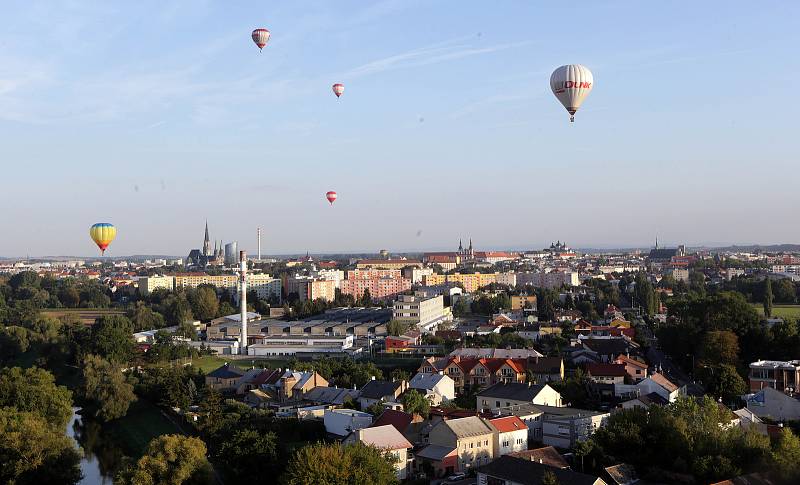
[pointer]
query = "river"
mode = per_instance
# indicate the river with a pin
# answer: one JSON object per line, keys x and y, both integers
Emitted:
{"x": 102, "y": 457}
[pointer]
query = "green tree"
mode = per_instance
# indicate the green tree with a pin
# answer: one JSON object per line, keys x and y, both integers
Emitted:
{"x": 399, "y": 374}
{"x": 34, "y": 390}
{"x": 105, "y": 387}
{"x": 332, "y": 464}
{"x": 785, "y": 291}
{"x": 723, "y": 381}
{"x": 169, "y": 460}
{"x": 397, "y": 327}
{"x": 549, "y": 478}
{"x": 204, "y": 303}
{"x": 249, "y": 454}
{"x": 211, "y": 408}
{"x": 144, "y": 318}
{"x": 720, "y": 347}
{"x": 767, "y": 297}
{"x": 13, "y": 343}
{"x": 178, "y": 309}
{"x": 461, "y": 308}
{"x": 366, "y": 298}
{"x": 786, "y": 456}
{"x": 112, "y": 338}
{"x": 33, "y": 452}
{"x": 416, "y": 403}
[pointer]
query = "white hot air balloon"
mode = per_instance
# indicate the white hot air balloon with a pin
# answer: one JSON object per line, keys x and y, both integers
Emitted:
{"x": 571, "y": 84}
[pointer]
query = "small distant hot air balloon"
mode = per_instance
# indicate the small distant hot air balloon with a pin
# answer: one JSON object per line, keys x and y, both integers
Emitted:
{"x": 260, "y": 37}
{"x": 571, "y": 84}
{"x": 331, "y": 196}
{"x": 102, "y": 234}
{"x": 338, "y": 89}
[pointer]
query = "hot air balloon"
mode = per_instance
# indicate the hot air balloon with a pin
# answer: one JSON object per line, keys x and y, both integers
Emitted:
{"x": 102, "y": 234}
{"x": 331, "y": 196}
{"x": 338, "y": 89}
{"x": 571, "y": 84}
{"x": 260, "y": 37}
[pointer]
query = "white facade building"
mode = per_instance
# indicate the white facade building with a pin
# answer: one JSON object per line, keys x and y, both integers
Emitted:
{"x": 342, "y": 422}
{"x": 424, "y": 312}
{"x": 280, "y": 345}
{"x": 553, "y": 279}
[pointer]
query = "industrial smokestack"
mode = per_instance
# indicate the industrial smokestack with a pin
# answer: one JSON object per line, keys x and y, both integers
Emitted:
{"x": 243, "y": 300}
{"x": 259, "y": 243}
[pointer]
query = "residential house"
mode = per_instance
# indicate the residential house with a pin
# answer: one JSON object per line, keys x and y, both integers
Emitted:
{"x": 773, "y": 404}
{"x": 259, "y": 399}
{"x": 511, "y": 434}
{"x": 341, "y": 422}
{"x": 388, "y": 439}
{"x": 291, "y": 385}
{"x": 607, "y": 349}
{"x": 330, "y": 396}
{"x": 563, "y": 427}
{"x": 636, "y": 369}
{"x": 622, "y": 474}
{"x": 644, "y": 401}
{"x": 477, "y": 373}
{"x": 508, "y": 470}
{"x": 662, "y": 386}
{"x": 546, "y": 455}
{"x": 376, "y": 391}
{"x": 472, "y": 438}
{"x": 224, "y": 378}
{"x": 606, "y": 373}
{"x": 546, "y": 369}
{"x": 507, "y": 395}
{"x": 438, "y": 388}
{"x": 443, "y": 460}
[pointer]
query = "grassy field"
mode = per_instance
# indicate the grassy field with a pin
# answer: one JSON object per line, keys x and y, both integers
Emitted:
{"x": 210, "y": 362}
{"x": 87, "y": 315}
{"x": 143, "y": 422}
{"x": 781, "y": 311}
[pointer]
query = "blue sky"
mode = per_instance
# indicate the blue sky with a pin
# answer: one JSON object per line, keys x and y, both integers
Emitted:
{"x": 156, "y": 115}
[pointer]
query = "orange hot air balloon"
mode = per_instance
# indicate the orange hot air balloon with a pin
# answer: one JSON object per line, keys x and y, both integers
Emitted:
{"x": 331, "y": 196}
{"x": 102, "y": 234}
{"x": 338, "y": 89}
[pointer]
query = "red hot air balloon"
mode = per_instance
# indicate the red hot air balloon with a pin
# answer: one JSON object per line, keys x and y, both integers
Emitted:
{"x": 260, "y": 37}
{"x": 331, "y": 196}
{"x": 338, "y": 89}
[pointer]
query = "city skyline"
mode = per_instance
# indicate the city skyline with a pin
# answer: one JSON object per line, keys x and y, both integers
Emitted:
{"x": 447, "y": 118}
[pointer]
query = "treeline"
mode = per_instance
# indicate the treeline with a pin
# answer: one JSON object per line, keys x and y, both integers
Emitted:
{"x": 689, "y": 441}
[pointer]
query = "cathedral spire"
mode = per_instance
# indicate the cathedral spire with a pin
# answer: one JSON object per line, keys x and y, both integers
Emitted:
{"x": 206, "y": 243}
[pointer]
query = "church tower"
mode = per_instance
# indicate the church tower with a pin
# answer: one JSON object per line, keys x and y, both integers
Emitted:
{"x": 206, "y": 243}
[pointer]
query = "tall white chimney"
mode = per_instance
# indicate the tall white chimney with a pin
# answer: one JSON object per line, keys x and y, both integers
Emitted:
{"x": 259, "y": 244}
{"x": 243, "y": 301}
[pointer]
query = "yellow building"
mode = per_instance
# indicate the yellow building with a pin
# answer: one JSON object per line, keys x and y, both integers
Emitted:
{"x": 387, "y": 263}
{"x": 471, "y": 282}
{"x": 150, "y": 284}
{"x": 263, "y": 284}
{"x": 518, "y": 302}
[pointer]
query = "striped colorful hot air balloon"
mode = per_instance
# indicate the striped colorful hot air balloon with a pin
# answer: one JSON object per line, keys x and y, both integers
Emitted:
{"x": 102, "y": 234}
{"x": 260, "y": 37}
{"x": 331, "y": 196}
{"x": 338, "y": 89}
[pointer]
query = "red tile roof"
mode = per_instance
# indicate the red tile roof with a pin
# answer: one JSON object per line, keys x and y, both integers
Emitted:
{"x": 398, "y": 419}
{"x": 609, "y": 370}
{"x": 508, "y": 424}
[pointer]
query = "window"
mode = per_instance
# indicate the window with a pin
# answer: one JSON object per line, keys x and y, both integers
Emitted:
{"x": 505, "y": 443}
